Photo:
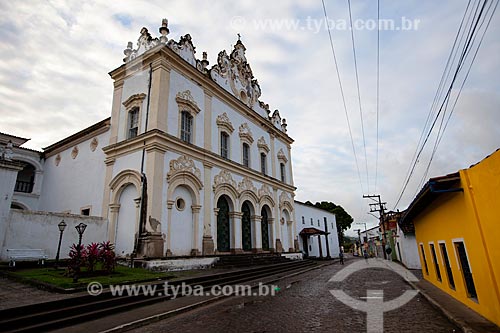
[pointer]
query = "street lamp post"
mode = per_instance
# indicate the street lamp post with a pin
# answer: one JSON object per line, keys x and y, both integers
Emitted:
{"x": 62, "y": 225}
{"x": 80, "y": 229}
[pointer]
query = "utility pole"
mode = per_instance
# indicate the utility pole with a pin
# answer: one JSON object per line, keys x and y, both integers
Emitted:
{"x": 379, "y": 206}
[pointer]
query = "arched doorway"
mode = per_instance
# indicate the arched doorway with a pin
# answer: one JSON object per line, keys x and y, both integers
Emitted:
{"x": 126, "y": 222}
{"x": 246, "y": 227}
{"x": 182, "y": 222}
{"x": 265, "y": 228}
{"x": 223, "y": 225}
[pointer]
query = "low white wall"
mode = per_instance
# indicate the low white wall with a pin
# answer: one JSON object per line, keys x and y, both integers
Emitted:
{"x": 38, "y": 230}
{"x": 409, "y": 250}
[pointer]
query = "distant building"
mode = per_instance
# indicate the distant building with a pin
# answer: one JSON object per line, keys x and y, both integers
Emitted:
{"x": 456, "y": 224}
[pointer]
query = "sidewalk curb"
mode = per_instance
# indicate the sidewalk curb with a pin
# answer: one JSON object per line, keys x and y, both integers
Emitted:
{"x": 165, "y": 315}
{"x": 460, "y": 323}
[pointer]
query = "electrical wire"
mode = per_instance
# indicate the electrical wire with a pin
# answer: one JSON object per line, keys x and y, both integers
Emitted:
{"x": 359, "y": 93}
{"x": 342, "y": 94}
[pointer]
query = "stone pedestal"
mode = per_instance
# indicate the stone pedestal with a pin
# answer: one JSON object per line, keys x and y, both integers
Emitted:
{"x": 151, "y": 245}
{"x": 291, "y": 249}
{"x": 195, "y": 253}
{"x": 208, "y": 246}
{"x": 296, "y": 245}
{"x": 279, "y": 246}
{"x": 168, "y": 253}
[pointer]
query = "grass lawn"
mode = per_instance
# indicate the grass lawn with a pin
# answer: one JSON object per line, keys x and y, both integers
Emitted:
{"x": 121, "y": 275}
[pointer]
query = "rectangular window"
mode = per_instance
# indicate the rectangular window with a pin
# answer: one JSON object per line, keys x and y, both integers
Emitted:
{"x": 283, "y": 172}
{"x": 447, "y": 265}
{"x": 224, "y": 145}
{"x": 246, "y": 155}
{"x": 436, "y": 263}
{"x": 318, "y": 223}
{"x": 425, "y": 260}
{"x": 303, "y": 220}
{"x": 186, "y": 126}
{"x": 312, "y": 223}
{"x": 133, "y": 123}
{"x": 85, "y": 211}
{"x": 263, "y": 163}
{"x": 466, "y": 271}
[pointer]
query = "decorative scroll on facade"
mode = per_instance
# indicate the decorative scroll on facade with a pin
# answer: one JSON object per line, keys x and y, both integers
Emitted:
{"x": 285, "y": 201}
{"x": 282, "y": 157}
{"x": 93, "y": 144}
{"x": 74, "y": 152}
{"x": 262, "y": 145}
{"x": 245, "y": 133}
{"x": 224, "y": 177}
{"x": 183, "y": 164}
{"x": 246, "y": 185}
{"x": 224, "y": 122}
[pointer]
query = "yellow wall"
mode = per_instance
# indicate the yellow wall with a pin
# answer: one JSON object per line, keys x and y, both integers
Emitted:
{"x": 473, "y": 216}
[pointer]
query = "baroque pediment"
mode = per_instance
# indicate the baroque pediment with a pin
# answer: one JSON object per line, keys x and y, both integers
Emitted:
{"x": 261, "y": 144}
{"x": 223, "y": 121}
{"x": 245, "y": 132}
{"x": 246, "y": 185}
{"x": 224, "y": 178}
{"x": 183, "y": 164}
{"x": 281, "y": 156}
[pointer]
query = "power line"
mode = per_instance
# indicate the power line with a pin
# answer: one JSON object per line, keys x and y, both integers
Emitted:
{"x": 359, "y": 93}
{"x": 342, "y": 93}
{"x": 441, "y": 133}
{"x": 465, "y": 52}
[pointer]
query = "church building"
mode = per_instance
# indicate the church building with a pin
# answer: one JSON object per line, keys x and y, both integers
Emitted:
{"x": 189, "y": 163}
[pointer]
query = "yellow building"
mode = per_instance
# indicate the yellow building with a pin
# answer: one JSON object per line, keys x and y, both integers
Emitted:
{"x": 457, "y": 228}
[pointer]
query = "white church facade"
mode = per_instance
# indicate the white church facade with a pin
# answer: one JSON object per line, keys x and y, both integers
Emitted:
{"x": 189, "y": 163}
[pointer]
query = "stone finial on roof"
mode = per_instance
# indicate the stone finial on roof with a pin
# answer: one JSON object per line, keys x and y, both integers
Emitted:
{"x": 164, "y": 31}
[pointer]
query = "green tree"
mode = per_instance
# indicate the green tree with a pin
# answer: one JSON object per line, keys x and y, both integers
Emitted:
{"x": 344, "y": 220}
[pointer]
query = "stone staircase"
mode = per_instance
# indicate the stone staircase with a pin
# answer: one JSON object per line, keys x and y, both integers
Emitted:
{"x": 245, "y": 260}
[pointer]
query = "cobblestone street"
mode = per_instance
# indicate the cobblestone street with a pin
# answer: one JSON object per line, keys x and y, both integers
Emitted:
{"x": 304, "y": 304}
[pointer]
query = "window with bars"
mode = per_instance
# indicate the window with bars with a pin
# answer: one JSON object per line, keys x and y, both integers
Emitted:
{"x": 133, "y": 123}
{"x": 246, "y": 155}
{"x": 263, "y": 163}
{"x": 186, "y": 126}
{"x": 224, "y": 145}
{"x": 283, "y": 172}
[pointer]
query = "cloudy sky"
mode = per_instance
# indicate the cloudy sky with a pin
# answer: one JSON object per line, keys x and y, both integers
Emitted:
{"x": 55, "y": 56}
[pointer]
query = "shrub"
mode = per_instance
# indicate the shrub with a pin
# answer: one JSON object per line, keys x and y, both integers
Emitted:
{"x": 107, "y": 256}
{"x": 92, "y": 254}
{"x": 74, "y": 262}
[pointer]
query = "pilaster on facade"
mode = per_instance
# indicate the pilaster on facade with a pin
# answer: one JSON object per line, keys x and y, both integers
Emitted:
{"x": 207, "y": 126}
{"x": 115, "y": 112}
{"x": 160, "y": 88}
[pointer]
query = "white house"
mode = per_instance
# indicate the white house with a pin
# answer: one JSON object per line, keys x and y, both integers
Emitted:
{"x": 189, "y": 163}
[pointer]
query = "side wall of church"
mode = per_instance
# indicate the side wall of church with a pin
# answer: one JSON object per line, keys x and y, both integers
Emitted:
{"x": 74, "y": 178}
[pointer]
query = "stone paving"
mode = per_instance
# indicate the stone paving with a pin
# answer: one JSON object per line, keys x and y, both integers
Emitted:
{"x": 305, "y": 304}
{"x": 13, "y": 294}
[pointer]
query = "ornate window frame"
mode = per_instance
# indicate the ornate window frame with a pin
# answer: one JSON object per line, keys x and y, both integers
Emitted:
{"x": 246, "y": 137}
{"x": 283, "y": 161}
{"x": 225, "y": 126}
{"x": 186, "y": 103}
{"x": 133, "y": 103}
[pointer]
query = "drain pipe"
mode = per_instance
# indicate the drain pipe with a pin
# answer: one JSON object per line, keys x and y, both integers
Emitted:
{"x": 144, "y": 181}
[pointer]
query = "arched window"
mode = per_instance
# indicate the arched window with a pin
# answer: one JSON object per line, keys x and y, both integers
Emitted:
{"x": 246, "y": 154}
{"x": 224, "y": 145}
{"x": 25, "y": 179}
{"x": 186, "y": 126}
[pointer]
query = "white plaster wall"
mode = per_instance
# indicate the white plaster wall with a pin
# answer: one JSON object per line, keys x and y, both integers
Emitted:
{"x": 130, "y": 161}
{"x": 179, "y": 83}
{"x": 317, "y": 214}
{"x": 75, "y": 183}
{"x": 136, "y": 84}
{"x": 7, "y": 183}
{"x": 278, "y": 144}
{"x": 38, "y": 230}
{"x": 409, "y": 250}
